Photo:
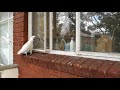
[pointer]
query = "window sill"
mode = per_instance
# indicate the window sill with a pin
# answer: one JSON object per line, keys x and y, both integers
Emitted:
{"x": 83, "y": 67}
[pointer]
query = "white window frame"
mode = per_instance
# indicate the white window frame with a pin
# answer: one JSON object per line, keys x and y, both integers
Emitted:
{"x": 30, "y": 31}
{"x": 96, "y": 55}
{"x": 10, "y": 61}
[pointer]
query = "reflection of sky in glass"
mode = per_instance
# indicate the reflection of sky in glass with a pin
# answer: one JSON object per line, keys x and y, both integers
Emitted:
{"x": 93, "y": 19}
{"x": 65, "y": 21}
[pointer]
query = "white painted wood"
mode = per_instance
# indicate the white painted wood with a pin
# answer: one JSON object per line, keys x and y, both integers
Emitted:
{"x": 77, "y": 32}
{"x": 51, "y": 30}
{"x": 10, "y": 31}
{"x": 99, "y": 55}
{"x": 63, "y": 53}
{"x": 11, "y": 40}
{"x": 29, "y": 24}
{"x": 45, "y": 31}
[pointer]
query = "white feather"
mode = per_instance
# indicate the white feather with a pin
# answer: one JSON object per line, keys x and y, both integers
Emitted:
{"x": 27, "y": 47}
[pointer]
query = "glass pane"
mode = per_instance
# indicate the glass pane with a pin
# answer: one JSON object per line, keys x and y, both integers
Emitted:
{"x": 48, "y": 30}
{"x": 3, "y": 16}
{"x": 100, "y": 31}
{"x": 64, "y": 31}
{"x": 4, "y": 43}
{"x": 38, "y": 29}
{"x": 11, "y": 42}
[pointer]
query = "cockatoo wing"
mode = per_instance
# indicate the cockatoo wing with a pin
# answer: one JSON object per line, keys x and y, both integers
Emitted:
{"x": 24, "y": 49}
{"x": 27, "y": 47}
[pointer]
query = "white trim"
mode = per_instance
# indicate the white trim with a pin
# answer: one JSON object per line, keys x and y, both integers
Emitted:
{"x": 10, "y": 61}
{"x": 63, "y": 53}
{"x": 77, "y": 32}
{"x": 45, "y": 31}
{"x": 38, "y": 50}
{"x": 51, "y": 30}
{"x": 29, "y": 24}
{"x": 98, "y": 55}
{"x": 30, "y": 30}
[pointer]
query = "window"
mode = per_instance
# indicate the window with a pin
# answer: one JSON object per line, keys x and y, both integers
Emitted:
{"x": 64, "y": 31}
{"x": 6, "y": 38}
{"x": 85, "y": 34}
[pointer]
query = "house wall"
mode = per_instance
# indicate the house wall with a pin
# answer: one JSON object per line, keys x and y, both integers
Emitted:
{"x": 43, "y": 65}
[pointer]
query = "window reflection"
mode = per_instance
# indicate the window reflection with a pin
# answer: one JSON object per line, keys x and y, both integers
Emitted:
{"x": 38, "y": 30}
{"x": 64, "y": 31}
{"x": 100, "y": 31}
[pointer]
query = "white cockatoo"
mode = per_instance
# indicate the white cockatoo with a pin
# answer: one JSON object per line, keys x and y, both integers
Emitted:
{"x": 27, "y": 47}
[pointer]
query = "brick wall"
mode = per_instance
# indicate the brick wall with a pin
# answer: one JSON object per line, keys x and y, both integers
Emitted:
{"x": 41, "y": 65}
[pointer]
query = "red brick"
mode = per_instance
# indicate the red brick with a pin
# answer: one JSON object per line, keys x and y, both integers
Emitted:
{"x": 102, "y": 70}
{"x": 17, "y": 48}
{"x": 48, "y": 60}
{"x": 64, "y": 64}
{"x": 21, "y": 34}
{"x": 58, "y": 62}
{"x": 16, "y": 43}
{"x": 114, "y": 71}
{"x": 94, "y": 68}
{"x": 84, "y": 68}
{"x": 45, "y": 73}
{"x": 25, "y": 58}
{"x": 42, "y": 59}
{"x": 19, "y": 20}
{"x": 67, "y": 75}
{"x": 54, "y": 73}
{"x": 76, "y": 66}
{"x": 73, "y": 59}
{"x": 18, "y": 30}
{"x": 79, "y": 77}
{"x": 20, "y": 24}
{"x": 32, "y": 58}
{"x": 53, "y": 66}
{"x": 35, "y": 59}
{"x": 18, "y": 15}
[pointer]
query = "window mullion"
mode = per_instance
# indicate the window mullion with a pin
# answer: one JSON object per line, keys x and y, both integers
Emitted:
{"x": 30, "y": 24}
{"x": 51, "y": 28}
{"x": 45, "y": 31}
{"x": 77, "y": 32}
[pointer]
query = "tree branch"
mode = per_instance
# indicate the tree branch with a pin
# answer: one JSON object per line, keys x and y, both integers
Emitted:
{"x": 97, "y": 27}
{"x": 98, "y": 23}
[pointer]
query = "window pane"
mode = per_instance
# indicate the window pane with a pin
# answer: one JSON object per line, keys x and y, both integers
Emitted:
{"x": 3, "y": 16}
{"x": 100, "y": 31}
{"x": 64, "y": 31}
{"x": 38, "y": 30}
{"x": 47, "y": 30}
{"x": 4, "y": 43}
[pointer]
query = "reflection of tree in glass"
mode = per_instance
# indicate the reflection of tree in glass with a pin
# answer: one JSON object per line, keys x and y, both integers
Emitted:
{"x": 107, "y": 23}
{"x": 66, "y": 24}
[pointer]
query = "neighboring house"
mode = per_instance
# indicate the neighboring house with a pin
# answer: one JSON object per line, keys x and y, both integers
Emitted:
{"x": 50, "y": 58}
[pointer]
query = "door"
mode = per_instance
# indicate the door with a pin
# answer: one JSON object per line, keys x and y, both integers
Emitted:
{"x": 6, "y": 38}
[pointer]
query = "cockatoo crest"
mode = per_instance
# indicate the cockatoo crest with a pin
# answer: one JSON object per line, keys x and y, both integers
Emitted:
{"x": 27, "y": 47}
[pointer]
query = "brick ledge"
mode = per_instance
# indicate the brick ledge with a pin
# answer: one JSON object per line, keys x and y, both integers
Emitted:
{"x": 83, "y": 67}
